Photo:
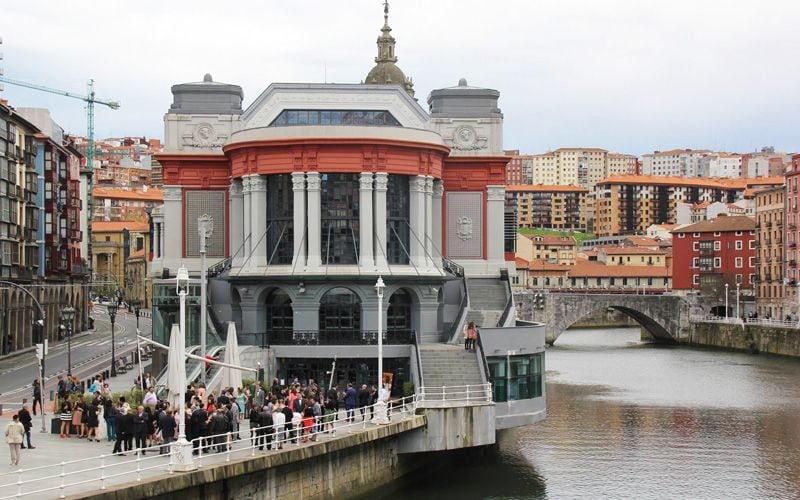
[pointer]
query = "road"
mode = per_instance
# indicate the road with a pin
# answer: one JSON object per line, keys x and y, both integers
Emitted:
{"x": 91, "y": 354}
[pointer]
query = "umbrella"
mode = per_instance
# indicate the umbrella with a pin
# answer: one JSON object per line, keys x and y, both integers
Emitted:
{"x": 175, "y": 363}
{"x": 231, "y": 377}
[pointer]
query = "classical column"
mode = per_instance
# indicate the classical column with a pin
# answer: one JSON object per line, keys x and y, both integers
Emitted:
{"x": 366, "y": 259}
{"x": 258, "y": 220}
{"x": 416, "y": 187}
{"x": 427, "y": 239}
{"x": 314, "y": 219}
{"x": 173, "y": 225}
{"x": 436, "y": 233}
{"x": 236, "y": 202}
{"x": 299, "y": 189}
{"x": 247, "y": 245}
{"x": 381, "y": 183}
{"x": 495, "y": 223}
{"x": 155, "y": 245}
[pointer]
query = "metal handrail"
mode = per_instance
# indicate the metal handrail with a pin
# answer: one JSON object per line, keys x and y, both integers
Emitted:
{"x": 463, "y": 310}
{"x": 509, "y": 300}
{"x": 483, "y": 362}
{"x": 459, "y": 394}
{"x": 339, "y": 337}
{"x": 419, "y": 359}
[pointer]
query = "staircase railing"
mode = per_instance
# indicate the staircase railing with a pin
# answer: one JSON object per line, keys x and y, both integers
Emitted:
{"x": 483, "y": 363}
{"x": 452, "y": 268}
{"x": 220, "y": 267}
{"x": 463, "y": 309}
{"x": 419, "y": 360}
{"x": 509, "y": 300}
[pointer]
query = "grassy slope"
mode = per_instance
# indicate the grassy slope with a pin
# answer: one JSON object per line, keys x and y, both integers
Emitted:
{"x": 578, "y": 236}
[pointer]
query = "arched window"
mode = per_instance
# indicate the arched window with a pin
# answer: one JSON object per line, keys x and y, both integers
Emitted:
{"x": 340, "y": 309}
{"x": 398, "y": 316}
{"x": 279, "y": 311}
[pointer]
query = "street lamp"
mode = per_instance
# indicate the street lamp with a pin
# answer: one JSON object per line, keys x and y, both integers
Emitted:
{"x": 182, "y": 448}
{"x": 205, "y": 227}
{"x": 380, "y": 405}
{"x": 738, "y": 286}
{"x": 67, "y": 315}
{"x": 112, "y": 315}
{"x": 136, "y": 304}
{"x": 726, "y": 301}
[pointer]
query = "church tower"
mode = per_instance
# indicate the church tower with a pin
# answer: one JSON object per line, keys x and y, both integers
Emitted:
{"x": 385, "y": 70}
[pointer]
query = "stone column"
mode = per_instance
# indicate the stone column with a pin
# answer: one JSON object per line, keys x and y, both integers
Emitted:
{"x": 366, "y": 259}
{"x": 173, "y": 222}
{"x": 436, "y": 233}
{"x": 495, "y": 223}
{"x": 258, "y": 220}
{"x": 314, "y": 219}
{"x": 299, "y": 191}
{"x": 427, "y": 239}
{"x": 155, "y": 245}
{"x": 247, "y": 244}
{"x": 416, "y": 186}
{"x": 237, "y": 232}
{"x": 381, "y": 186}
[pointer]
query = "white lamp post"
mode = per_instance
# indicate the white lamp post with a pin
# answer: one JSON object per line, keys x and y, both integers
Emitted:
{"x": 205, "y": 227}
{"x": 738, "y": 286}
{"x": 726, "y": 301}
{"x": 182, "y": 448}
{"x": 380, "y": 406}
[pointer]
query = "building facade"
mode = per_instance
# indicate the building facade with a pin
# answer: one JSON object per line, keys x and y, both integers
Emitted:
{"x": 674, "y": 163}
{"x": 549, "y": 206}
{"x": 770, "y": 253}
{"x": 792, "y": 236}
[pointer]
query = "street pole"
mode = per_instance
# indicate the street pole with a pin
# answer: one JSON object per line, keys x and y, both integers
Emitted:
{"x": 205, "y": 226}
{"x": 738, "y": 285}
{"x": 182, "y": 448}
{"x": 112, "y": 315}
{"x": 380, "y": 405}
{"x": 67, "y": 315}
{"x": 726, "y": 301}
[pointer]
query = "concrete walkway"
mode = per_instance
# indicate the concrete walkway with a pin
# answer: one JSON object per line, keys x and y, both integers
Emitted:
{"x": 92, "y": 473}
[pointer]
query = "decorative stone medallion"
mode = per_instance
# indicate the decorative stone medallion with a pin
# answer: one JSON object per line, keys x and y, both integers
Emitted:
{"x": 464, "y": 229}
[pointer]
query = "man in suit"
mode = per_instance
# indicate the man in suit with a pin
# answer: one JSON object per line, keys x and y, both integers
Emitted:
{"x": 265, "y": 429}
{"x": 124, "y": 426}
{"x": 198, "y": 421}
{"x": 166, "y": 424}
{"x": 27, "y": 422}
{"x": 140, "y": 429}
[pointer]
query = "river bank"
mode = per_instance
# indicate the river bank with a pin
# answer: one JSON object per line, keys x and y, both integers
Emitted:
{"x": 749, "y": 338}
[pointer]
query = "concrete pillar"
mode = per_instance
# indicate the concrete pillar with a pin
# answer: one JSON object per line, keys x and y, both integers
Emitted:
{"x": 381, "y": 186}
{"x": 427, "y": 239}
{"x": 495, "y": 204}
{"x": 247, "y": 246}
{"x": 236, "y": 202}
{"x": 173, "y": 219}
{"x": 300, "y": 238}
{"x": 258, "y": 220}
{"x": 314, "y": 219}
{"x": 436, "y": 233}
{"x": 416, "y": 185}
{"x": 156, "y": 243}
{"x": 366, "y": 259}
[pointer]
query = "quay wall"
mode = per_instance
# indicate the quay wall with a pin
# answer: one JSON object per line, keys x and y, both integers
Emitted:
{"x": 750, "y": 338}
{"x": 345, "y": 466}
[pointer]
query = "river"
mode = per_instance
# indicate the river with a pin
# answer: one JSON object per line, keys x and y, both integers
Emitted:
{"x": 628, "y": 419}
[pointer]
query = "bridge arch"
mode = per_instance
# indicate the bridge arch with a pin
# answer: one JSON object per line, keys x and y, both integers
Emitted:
{"x": 651, "y": 325}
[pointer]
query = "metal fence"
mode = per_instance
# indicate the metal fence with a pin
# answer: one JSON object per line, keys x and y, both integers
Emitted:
{"x": 750, "y": 321}
{"x": 455, "y": 395}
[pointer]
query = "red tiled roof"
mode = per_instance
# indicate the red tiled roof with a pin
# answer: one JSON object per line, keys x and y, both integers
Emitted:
{"x": 642, "y": 241}
{"x": 720, "y": 224}
{"x": 152, "y": 194}
{"x": 552, "y": 239}
{"x": 544, "y": 188}
{"x": 591, "y": 269}
{"x": 117, "y": 226}
{"x": 631, "y": 250}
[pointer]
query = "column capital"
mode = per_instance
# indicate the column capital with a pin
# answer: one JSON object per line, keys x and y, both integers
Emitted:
{"x": 236, "y": 188}
{"x": 246, "y": 185}
{"x": 298, "y": 181}
{"x": 495, "y": 193}
{"x": 172, "y": 193}
{"x": 438, "y": 189}
{"x": 381, "y": 181}
{"x": 429, "y": 184}
{"x": 416, "y": 184}
{"x": 258, "y": 183}
{"x": 314, "y": 181}
{"x": 365, "y": 181}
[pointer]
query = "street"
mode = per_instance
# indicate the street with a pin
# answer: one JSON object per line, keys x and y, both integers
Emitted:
{"x": 91, "y": 354}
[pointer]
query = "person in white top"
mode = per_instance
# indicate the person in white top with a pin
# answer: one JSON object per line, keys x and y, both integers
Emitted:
{"x": 15, "y": 432}
{"x": 278, "y": 423}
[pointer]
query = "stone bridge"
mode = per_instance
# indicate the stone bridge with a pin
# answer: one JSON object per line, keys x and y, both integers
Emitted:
{"x": 665, "y": 317}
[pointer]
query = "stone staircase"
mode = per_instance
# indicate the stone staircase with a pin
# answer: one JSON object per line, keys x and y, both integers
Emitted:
{"x": 487, "y": 301}
{"x": 446, "y": 365}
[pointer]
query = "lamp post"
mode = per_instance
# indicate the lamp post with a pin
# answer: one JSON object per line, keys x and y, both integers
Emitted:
{"x": 112, "y": 315}
{"x": 182, "y": 449}
{"x": 136, "y": 304}
{"x": 726, "y": 301}
{"x": 738, "y": 287}
{"x": 205, "y": 227}
{"x": 67, "y": 315}
{"x": 380, "y": 405}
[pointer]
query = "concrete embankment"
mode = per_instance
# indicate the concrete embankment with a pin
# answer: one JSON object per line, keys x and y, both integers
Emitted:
{"x": 345, "y": 466}
{"x": 749, "y": 338}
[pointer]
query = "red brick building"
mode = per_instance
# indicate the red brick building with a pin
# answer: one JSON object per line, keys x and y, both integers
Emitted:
{"x": 709, "y": 254}
{"x": 792, "y": 236}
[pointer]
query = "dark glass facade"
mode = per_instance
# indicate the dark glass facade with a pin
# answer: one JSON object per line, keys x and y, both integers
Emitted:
{"x": 516, "y": 377}
{"x": 294, "y": 117}
{"x": 279, "y": 311}
{"x": 339, "y": 228}
{"x": 340, "y": 309}
{"x": 280, "y": 221}
{"x": 398, "y": 316}
{"x": 397, "y": 220}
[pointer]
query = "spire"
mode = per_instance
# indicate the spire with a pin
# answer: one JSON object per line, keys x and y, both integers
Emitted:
{"x": 385, "y": 70}
{"x": 386, "y": 40}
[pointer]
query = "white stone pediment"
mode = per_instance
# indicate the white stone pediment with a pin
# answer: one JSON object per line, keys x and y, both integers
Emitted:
{"x": 278, "y": 97}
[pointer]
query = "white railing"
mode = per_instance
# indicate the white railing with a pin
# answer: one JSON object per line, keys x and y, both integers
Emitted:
{"x": 64, "y": 477}
{"x": 773, "y": 322}
{"x": 750, "y": 321}
{"x": 456, "y": 395}
{"x": 710, "y": 318}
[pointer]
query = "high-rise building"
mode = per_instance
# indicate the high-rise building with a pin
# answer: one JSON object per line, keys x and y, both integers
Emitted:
{"x": 549, "y": 207}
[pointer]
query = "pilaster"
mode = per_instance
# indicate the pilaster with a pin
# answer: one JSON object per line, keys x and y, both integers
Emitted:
{"x": 416, "y": 186}
{"x": 299, "y": 191}
{"x": 436, "y": 234}
{"x": 258, "y": 220}
{"x": 426, "y": 238}
{"x": 366, "y": 259}
{"x": 173, "y": 219}
{"x": 381, "y": 186}
{"x": 495, "y": 204}
{"x": 247, "y": 244}
{"x": 314, "y": 194}
{"x": 237, "y": 231}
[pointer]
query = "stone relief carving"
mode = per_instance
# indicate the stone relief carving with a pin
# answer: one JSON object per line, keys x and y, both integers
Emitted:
{"x": 465, "y": 138}
{"x": 258, "y": 183}
{"x": 438, "y": 188}
{"x": 495, "y": 193}
{"x": 464, "y": 228}
{"x": 314, "y": 182}
{"x": 203, "y": 135}
{"x": 416, "y": 183}
{"x": 428, "y": 184}
{"x": 236, "y": 188}
{"x": 381, "y": 181}
{"x": 298, "y": 181}
{"x": 365, "y": 181}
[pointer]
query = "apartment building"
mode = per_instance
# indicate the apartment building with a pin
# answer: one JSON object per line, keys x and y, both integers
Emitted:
{"x": 549, "y": 206}
{"x": 551, "y": 248}
{"x": 770, "y": 287}
{"x": 125, "y": 203}
{"x": 792, "y": 235}
{"x": 721, "y": 165}
{"x": 675, "y": 162}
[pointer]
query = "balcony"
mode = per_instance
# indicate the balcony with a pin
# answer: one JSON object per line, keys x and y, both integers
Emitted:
{"x": 339, "y": 337}
{"x": 792, "y": 262}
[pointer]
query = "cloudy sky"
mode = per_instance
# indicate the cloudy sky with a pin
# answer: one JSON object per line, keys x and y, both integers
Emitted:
{"x": 626, "y": 75}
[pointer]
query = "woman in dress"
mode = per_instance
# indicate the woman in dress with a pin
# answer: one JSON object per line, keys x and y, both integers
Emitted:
{"x": 101, "y": 432}
{"x": 240, "y": 403}
{"x": 66, "y": 416}
{"x": 78, "y": 413}
{"x": 92, "y": 421}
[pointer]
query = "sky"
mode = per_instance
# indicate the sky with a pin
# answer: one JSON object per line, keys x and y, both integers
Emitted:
{"x": 630, "y": 76}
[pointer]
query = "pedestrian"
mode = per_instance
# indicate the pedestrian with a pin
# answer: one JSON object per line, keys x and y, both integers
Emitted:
{"x": 166, "y": 425}
{"x": 279, "y": 423}
{"x": 140, "y": 429}
{"x": 61, "y": 391}
{"x": 308, "y": 418}
{"x": 37, "y": 396}
{"x": 92, "y": 421}
{"x": 78, "y": 414}
{"x": 199, "y": 425}
{"x": 66, "y": 417}
{"x": 259, "y": 396}
{"x": 122, "y": 429}
{"x": 110, "y": 416}
{"x": 350, "y": 403}
{"x": 150, "y": 397}
{"x": 240, "y": 402}
{"x": 331, "y": 407}
{"x": 469, "y": 336}
{"x": 265, "y": 430}
{"x": 27, "y": 422}
{"x": 235, "y": 418}
{"x": 15, "y": 432}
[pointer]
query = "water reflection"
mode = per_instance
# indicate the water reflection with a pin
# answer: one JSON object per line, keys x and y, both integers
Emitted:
{"x": 632, "y": 420}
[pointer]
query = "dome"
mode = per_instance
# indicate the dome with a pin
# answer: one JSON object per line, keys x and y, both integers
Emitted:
{"x": 386, "y": 72}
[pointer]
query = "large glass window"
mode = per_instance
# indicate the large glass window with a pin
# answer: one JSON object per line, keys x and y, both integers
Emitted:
{"x": 340, "y": 203}
{"x": 340, "y": 309}
{"x": 516, "y": 377}
{"x": 279, "y": 311}
{"x": 280, "y": 219}
{"x": 398, "y": 316}
{"x": 397, "y": 220}
{"x": 370, "y": 118}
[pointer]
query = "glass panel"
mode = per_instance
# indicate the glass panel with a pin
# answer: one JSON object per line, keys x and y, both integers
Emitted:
{"x": 398, "y": 316}
{"x": 339, "y": 228}
{"x": 398, "y": 231}
{"x": 280, "y": 219}
{"x": 380, "y": 118}
{"x": 340, "y": 309}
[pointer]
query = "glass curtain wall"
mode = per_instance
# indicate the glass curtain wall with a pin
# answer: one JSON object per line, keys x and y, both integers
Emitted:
{"x": 340, "y": 309}
{"x": 516, "y": 377}
{"x": 340, "y": 205}
{"x": 398, "y": 229}
{"x": 398, "y": 315}
{"x": 280, "y": 219}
